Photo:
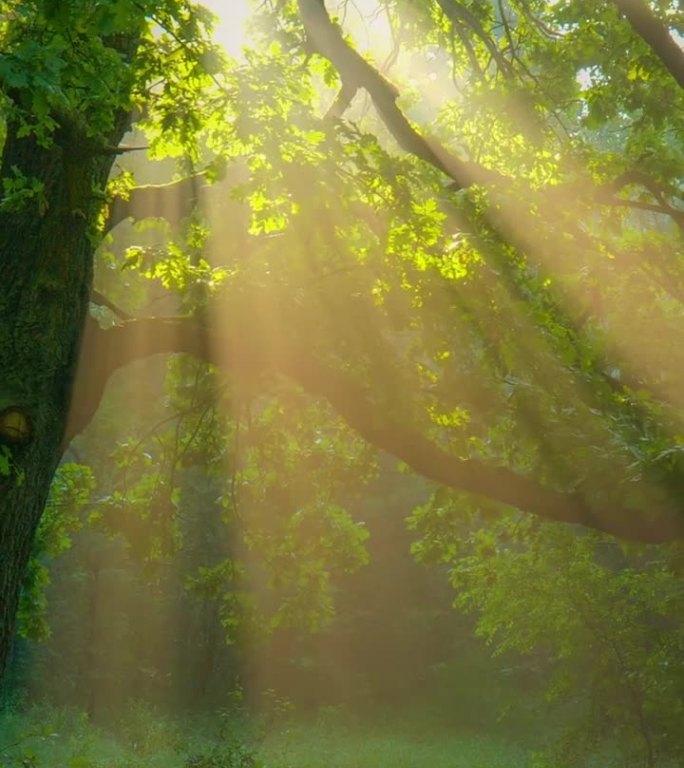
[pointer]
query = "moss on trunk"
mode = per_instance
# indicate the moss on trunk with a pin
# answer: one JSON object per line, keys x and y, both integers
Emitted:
{"x": 46, "y": 252}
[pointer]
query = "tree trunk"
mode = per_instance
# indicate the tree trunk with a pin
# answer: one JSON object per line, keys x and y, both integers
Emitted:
{"x": 46, "y": 252}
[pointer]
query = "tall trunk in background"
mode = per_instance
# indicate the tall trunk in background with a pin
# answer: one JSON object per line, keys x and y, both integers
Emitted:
{"x": 46, "y": 255}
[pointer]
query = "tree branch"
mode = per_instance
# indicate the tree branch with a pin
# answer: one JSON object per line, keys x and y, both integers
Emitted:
{"x": 105, "y": 351}
{"x": 326, "y": 38}
{"x": 243, "y": 347}
{"x": 156, "y": 201}
{"x": 655, "y": 34}
{"x": 97, "y": 298}
{"x": 243, "y": 350}
{"x": 458, "y": 15}
{"x": 344, "y": 98}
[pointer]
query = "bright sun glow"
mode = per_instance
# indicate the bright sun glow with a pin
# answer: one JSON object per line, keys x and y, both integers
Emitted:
{"x": 364, "y": 18}
{"x": 230, "y": 27}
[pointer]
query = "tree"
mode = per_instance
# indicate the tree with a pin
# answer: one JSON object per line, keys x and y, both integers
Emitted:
{"x": 71, "y": 75}
{"x": 457, "y": 295}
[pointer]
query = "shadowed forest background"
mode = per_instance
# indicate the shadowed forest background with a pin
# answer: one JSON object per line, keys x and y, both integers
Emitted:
{"x": 355, "y": 339}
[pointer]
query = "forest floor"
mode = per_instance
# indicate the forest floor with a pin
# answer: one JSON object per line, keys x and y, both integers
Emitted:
{"x": 48, "y": 737}
{"x": 310, "y": 746}
{"x": 43, "y": 736}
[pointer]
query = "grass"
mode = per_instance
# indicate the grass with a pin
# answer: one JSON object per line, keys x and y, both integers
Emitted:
{"x": 50, "y": 737}
{"x": 306, "y": 746}
{"x": 62, "y": 738}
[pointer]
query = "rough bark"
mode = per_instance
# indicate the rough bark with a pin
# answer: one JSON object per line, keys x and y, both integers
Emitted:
{"x": 46, "y": 254}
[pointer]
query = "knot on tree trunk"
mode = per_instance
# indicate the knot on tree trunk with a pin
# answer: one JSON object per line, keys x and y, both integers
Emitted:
{"x": 15, "y": 426}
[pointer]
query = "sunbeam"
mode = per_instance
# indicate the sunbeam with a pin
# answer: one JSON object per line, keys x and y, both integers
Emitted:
{"x": 359, "y": 359}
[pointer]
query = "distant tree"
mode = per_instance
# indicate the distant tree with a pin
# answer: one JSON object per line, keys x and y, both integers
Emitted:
{"x": 496, "y": 300}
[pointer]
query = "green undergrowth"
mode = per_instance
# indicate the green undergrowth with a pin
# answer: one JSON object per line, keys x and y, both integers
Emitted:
{"x": 44, "y": 736}
{"x": 50, "y": 737}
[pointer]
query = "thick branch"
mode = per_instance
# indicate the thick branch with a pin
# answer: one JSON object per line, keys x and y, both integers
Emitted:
{"x": 652, "y": 30}
{"x": 498, "y": 484}
{"x": 356, "y": 72}
{"x": 342, "y": 101}
{"x": 170, "y": 201}
{"x": 105, "y": 351}
{"x": 246, "y": 354}
{"x": 97, "y": 298}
